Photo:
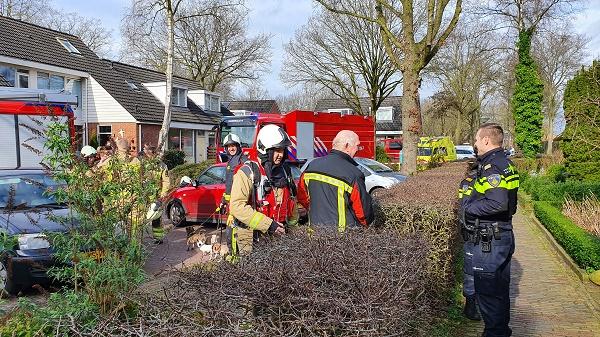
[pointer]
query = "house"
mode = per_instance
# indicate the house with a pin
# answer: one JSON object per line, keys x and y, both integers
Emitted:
{"x": 114, "y": 99}
{"x": 388, "y": 118}
{"x": 243, "y": 108}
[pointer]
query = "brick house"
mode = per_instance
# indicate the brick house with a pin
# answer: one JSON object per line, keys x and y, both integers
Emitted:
{"x": 388, "y": 118}
{"x": 243, "y": 108}
{"x": 114, "y": 99}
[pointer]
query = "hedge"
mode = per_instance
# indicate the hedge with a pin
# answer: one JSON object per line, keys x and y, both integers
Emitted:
{"x": 191, "y": 170}
{"x": 544, "y": 189}
{"x": 582, "y": 246}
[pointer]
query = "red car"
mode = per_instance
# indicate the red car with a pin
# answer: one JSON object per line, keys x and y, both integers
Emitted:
{"x": 198, "y": 202}
{"x": 392, "y": 148}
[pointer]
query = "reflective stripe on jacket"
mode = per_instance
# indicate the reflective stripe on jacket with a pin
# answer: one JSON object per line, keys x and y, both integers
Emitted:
{"x": 333, "y": 191}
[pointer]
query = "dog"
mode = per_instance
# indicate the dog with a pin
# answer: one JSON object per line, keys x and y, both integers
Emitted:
{"x": 194, "y": 237}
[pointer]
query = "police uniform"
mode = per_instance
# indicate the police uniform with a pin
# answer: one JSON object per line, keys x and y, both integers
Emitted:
{"x": 491, "y": 205}
{"x": 467, "y": 230}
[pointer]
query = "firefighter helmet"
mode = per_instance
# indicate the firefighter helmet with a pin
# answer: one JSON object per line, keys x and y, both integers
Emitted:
{"x": 87, "y": 151}
{"x": 232, "y": 139}
{"x": 272, "y": 136}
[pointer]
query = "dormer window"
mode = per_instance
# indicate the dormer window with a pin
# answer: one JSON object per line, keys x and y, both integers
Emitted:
{"x": 179, "y": 97}
{"x": 68, "y": 46}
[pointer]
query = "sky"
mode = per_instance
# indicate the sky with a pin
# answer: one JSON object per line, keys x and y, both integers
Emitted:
{"x": 281, "y": 18}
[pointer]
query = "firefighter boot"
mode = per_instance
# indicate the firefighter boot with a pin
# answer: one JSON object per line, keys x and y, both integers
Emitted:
{"x": 471, "y": 309}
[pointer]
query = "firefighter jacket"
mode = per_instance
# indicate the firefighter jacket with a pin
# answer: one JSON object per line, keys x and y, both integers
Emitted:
{"x": 494, "y": 195}
{"x": 255, "y": 209}
{"x": 333, "y": 191}
{"x": 232, "y": 165}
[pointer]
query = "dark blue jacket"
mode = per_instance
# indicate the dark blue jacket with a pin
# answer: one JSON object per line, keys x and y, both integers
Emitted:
{"x": 494, "y": 196}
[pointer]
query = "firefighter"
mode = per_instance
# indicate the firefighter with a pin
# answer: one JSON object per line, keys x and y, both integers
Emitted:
{"x": 333, "y": 190}
{"x": 467, "y": 229}
{"x": 491, "y": 205}
{"x": 162, "y": 176}
{"x": 262, "y": 193}
{"x": 236, "y": 158}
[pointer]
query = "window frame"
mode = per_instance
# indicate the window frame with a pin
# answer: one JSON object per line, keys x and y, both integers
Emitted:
{"x": 388, "y": 110}
{"x": 68, "y": 46}
{"x": 179, "y": 97}
{"x": 98, "y": 133}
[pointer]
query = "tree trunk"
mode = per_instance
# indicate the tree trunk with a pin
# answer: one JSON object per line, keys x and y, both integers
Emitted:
{"x": 411, "y": 117}
{"x": 164, "y": 130}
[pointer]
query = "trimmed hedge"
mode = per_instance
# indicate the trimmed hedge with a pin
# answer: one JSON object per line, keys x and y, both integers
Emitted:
{"x": 544, "y": 189}
{"x": 191, "y": 170}
{"x": 582, "y": 246}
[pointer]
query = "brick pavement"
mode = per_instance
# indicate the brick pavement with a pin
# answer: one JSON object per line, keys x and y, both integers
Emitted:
{"x": 547, "y": 298}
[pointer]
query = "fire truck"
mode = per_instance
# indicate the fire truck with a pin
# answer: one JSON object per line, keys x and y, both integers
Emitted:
{"x": 311, "y": 133}
{"x": 23, "y": 119}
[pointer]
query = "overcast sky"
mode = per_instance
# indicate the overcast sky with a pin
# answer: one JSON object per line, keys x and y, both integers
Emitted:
{"x": 281, "y": 18}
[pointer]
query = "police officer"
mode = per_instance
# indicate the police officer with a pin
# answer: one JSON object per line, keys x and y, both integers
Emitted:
{"x": 333, "y": 190}
{"x": 491, "y": 206}
{"x": 471, "y": 310}
{"x": 263, "y": 193}
{"x": 235, "y": 158}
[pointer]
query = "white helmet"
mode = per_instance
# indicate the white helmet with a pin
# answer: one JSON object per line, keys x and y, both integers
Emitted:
{"x": 185, "y": 180}
{"x": 154, "y": 211}
{"x": 272, "y": 137}
{"x": 87, "y": 151}
{"x": 232, "y": 139}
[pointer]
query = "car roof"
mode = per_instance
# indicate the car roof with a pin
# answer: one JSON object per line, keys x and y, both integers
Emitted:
{"x": 464, "y": 147}
{"x": 13, "y": 172}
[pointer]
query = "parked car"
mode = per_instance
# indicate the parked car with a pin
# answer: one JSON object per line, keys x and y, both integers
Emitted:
{"x": 26, "y": 213}
{"x": 464, "y": 151}
{"x": 392, "y": 148}
{"x": 197, "y": 202}
{"x": 377, "y": 175}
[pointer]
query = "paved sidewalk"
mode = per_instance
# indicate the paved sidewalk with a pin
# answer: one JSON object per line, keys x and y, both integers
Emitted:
{"x": 547, "y": 298}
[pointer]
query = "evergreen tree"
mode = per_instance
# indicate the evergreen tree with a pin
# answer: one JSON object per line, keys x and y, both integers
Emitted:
{"x": 527, "y": 99}
{"x": 581, "y": 138}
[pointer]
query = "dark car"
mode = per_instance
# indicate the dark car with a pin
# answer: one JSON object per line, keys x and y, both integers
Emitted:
{"x": 27, "y": 211}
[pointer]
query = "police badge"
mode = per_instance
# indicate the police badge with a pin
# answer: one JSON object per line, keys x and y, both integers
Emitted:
{"x": 494, "y": 180}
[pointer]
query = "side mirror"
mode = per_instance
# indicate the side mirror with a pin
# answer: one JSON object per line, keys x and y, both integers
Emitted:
{"x": 195, "y": 183}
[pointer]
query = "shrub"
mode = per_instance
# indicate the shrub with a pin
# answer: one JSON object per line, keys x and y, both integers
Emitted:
{"x": 360, "y": 283}
{"x": 191, "y": 170}
{"x": 585, "y": 213}
{"x": 172, "y": 158}
{"x": 582, "y": 246}
{"x": 427, "y": 204}
{"x": 380, "y": 155}
{"x": 543, "y": 189}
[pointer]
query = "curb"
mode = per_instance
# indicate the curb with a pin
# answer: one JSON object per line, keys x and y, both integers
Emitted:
{"x": 581, "y": 274}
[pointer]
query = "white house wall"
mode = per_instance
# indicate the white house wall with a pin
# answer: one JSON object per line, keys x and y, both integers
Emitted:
{"x": 102, "y": 107}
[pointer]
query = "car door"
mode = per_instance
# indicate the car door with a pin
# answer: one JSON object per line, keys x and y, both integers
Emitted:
{"x": 211, "y": 185}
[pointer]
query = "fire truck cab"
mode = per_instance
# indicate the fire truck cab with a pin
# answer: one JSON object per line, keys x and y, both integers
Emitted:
{"x": 311, "y": 132}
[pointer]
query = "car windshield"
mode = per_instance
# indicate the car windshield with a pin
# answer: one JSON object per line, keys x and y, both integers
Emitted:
{"x": 375, "y": 166}
{"x": 461, "y": 151}
{"x": 27, "y": 191}
{"x": 424, "y": 151}
{"x": 245, "y": 128}
{"x": 212, "y": 176}
{"x": 395, "y": 146}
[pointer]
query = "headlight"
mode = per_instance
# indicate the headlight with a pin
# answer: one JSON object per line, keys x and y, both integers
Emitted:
{"x": 33, "y": 241}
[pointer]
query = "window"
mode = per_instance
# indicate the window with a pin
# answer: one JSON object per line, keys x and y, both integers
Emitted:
{"x": 48, "y": 81}
{"x": 342, "y": 112}
{"x": 178, "y": 97}
{"x": 214, "y": 175}
{"x": 395, "y": 146}
{"x": 132, "y": 85}
{"x": 384, "y": 114}
{"x": 76, "y": 90}
{"x": 7, "y": 76}
{"x": 22, "y": 78}
{"x": 183, "y": 140}
{"x": 104, "y": 134}
{"x": 68, "y": 46}
{"x": 214, "y": 104}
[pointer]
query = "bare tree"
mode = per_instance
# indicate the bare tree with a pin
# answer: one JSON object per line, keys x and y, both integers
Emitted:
{"x": 343, "y": 54}
{"x": 411, "y": 46}
{"x": 304, "y": 98}
{"x": 89, "y": 30}
{"x": 559, "y": 52}
{"x": 169, "y": 14}
{"x": 25, "y": 10}
{"x": 466, "y": 68}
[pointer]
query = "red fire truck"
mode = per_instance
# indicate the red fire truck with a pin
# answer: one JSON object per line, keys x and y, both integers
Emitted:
{"x": 22, "y": 122}
{"x": 311, "y": 132}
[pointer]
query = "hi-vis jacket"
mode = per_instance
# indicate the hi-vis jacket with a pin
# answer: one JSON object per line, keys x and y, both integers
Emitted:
{"x": 494, "y": 195}
{"x": 333, "y": 191}
{"x": 256, "y": 210}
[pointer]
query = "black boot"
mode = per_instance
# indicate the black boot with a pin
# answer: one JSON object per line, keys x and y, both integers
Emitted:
{"x": 471, "y": 309}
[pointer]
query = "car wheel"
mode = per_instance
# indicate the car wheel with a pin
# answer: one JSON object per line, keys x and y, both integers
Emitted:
{"x": 7, "y": 285}
{"x": 177, "y": 214}
{"x": 373, "y": 192}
